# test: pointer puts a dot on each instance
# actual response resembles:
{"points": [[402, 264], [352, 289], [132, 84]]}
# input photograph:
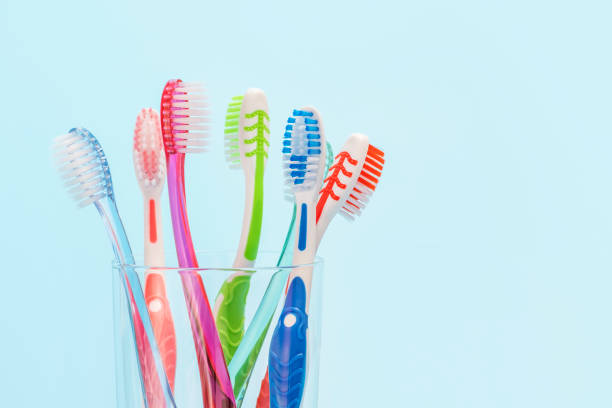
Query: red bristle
{"points": [[373, 163], [376, 153], [372, 170], [369, 177], [366, 183]]}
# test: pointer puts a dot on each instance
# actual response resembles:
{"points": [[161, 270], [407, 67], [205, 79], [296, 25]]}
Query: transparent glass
{"points": [[265, 301]]}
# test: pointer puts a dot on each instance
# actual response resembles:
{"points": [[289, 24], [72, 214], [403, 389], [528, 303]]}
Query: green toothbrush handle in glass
{"points": [[230, 317]]}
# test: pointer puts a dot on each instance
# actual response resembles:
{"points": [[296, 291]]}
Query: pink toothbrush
{"points": [[183, 122], [150, 169]]}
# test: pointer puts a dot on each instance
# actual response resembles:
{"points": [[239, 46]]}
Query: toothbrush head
{"points": [[246, 130], [351, 180], [148, 152], [366, 183], [82, 164], [184, 117], [304, 151]]}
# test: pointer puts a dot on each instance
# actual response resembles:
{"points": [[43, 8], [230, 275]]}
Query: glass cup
{"points": [[263, 289]]}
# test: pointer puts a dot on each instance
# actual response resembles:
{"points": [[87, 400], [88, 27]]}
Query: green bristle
{"points": [[232, 121]]}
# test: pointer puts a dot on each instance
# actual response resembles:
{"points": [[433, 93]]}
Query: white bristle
{"points": [[81, 164], [188, 118], [347, 214]]}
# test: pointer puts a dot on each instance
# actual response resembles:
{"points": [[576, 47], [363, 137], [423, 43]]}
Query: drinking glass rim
{"points": [[317, 261]]}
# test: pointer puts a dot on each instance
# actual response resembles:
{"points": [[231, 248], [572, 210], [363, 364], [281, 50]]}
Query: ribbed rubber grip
{"points": [[288, 358], [230, 317]]}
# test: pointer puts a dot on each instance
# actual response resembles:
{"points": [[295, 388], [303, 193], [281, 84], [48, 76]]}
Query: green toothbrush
{"points": [[246, 147]]}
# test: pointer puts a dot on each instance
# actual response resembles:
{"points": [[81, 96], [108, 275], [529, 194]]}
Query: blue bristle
{"points": [[302, 141], [298, 158]]}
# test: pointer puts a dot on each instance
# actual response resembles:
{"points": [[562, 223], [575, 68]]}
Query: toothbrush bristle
{"points": [[149, 161], [366, 183], [302, 151], [184, 117], [232, 125], [81, 162], [288, 193]]}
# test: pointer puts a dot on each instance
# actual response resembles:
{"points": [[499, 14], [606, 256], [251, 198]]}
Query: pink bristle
{"points": [[148, 145]]}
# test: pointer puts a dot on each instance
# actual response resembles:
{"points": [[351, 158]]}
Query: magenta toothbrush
{"points": [[183, 121]]}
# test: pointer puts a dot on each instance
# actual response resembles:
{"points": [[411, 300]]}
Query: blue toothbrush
{"points": [[304, 153], [82, 163]]}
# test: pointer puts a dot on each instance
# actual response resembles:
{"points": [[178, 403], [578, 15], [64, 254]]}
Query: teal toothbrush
{"points": [[241, 365]]}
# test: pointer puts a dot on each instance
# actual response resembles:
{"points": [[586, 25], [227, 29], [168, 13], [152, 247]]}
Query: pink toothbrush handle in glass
{"points": [[163, 325]]}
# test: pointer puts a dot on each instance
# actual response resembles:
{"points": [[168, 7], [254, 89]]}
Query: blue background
{"points": [[479, 276]]}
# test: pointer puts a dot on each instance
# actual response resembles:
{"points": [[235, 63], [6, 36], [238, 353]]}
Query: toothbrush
{"points": [[83, 165], [183, 123], [304, 157], [150, 169], [246, 143], [244, 359], [351, 180]]}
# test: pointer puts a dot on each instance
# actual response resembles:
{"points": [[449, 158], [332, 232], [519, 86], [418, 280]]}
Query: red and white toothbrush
{"points": [[150, 168]]}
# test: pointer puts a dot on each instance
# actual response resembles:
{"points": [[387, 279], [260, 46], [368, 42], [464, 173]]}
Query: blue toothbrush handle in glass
{"points": [[287, 360]]}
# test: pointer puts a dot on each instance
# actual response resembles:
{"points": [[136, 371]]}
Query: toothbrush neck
{"points": [[116, 232], [178, 211]]}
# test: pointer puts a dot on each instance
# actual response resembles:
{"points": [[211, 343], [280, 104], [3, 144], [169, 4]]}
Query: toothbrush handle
{"points": [[263, 400], [155, 287], [155, 385], [154, 397], [231, 300], [161, 319], [241, 365], [214, 378], [288, 358], [287, 362]]}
